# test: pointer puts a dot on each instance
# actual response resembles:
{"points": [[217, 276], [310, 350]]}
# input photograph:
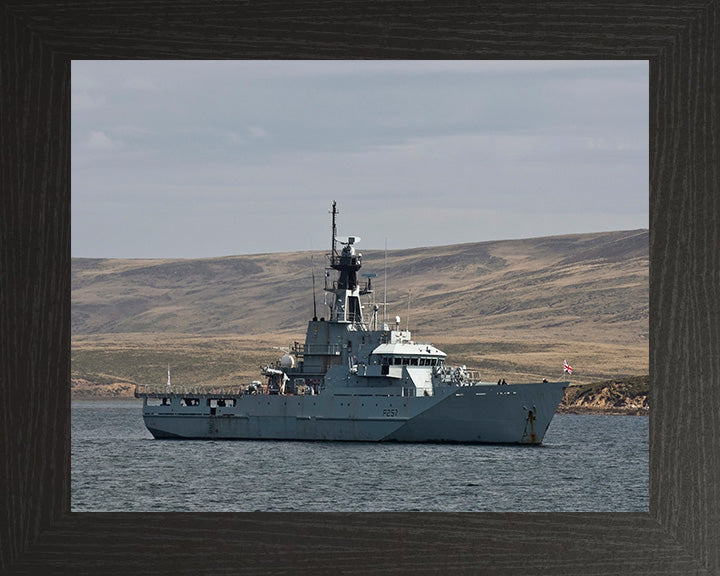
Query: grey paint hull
{"points": [[481, 413]]}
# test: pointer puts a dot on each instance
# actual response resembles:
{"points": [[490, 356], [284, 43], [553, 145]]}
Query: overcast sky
{"points": [[174, 159]]}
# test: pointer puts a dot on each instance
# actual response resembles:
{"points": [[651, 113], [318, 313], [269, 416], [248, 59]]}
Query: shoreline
{"points": [[584, 411]]}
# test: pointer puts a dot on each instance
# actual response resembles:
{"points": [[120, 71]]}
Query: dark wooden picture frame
{"points": [[38, 533]]}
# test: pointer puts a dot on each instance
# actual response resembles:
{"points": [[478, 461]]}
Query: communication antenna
{"points": [[385, 287], [407, 323], [334, 254], [312, 266]]}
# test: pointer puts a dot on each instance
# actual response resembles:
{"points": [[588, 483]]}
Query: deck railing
{"points": [[163, 390], [457, 375]]}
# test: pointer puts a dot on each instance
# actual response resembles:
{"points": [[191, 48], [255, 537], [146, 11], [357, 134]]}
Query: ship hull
{"points": [[482, 413]]}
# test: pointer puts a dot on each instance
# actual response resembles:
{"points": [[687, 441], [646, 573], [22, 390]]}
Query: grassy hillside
{"points": [[514, 309]]}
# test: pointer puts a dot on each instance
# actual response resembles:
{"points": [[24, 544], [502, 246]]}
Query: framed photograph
{"points": [[40, 533]]}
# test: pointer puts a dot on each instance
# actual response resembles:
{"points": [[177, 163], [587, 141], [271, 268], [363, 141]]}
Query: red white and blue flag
{"points": [[568, 369]]}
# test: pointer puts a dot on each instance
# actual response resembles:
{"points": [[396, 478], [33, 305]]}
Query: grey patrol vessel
{"points": [[358, 380]]}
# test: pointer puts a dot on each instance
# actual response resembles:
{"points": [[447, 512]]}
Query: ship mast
{"points": [[346, 307]]}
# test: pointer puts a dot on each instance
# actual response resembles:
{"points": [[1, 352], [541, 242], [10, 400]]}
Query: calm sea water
{"points": [[586, 464]]}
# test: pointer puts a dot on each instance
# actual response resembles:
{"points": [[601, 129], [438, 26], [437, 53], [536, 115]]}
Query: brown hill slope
{"points": [[511, 308], [588, 280]]}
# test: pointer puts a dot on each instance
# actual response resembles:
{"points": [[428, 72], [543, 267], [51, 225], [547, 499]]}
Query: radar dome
{"points": [[287, 361]]}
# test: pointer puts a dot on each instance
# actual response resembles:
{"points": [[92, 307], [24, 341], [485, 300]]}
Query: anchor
{"points": [[531, 421]]}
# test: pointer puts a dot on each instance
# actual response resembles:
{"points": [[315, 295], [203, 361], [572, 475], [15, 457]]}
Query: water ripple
{"points": [[587, 464]]}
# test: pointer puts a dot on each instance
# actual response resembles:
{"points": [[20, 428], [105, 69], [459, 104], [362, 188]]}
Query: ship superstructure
{"points": [[354, 380]]}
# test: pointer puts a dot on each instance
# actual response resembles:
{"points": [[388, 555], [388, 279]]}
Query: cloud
{"points": [[264, 69], [137, 83], [250, 133], [132, 130], [85, 100], [390, 140], [258, 132], [98, 141], [235, 138]]}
